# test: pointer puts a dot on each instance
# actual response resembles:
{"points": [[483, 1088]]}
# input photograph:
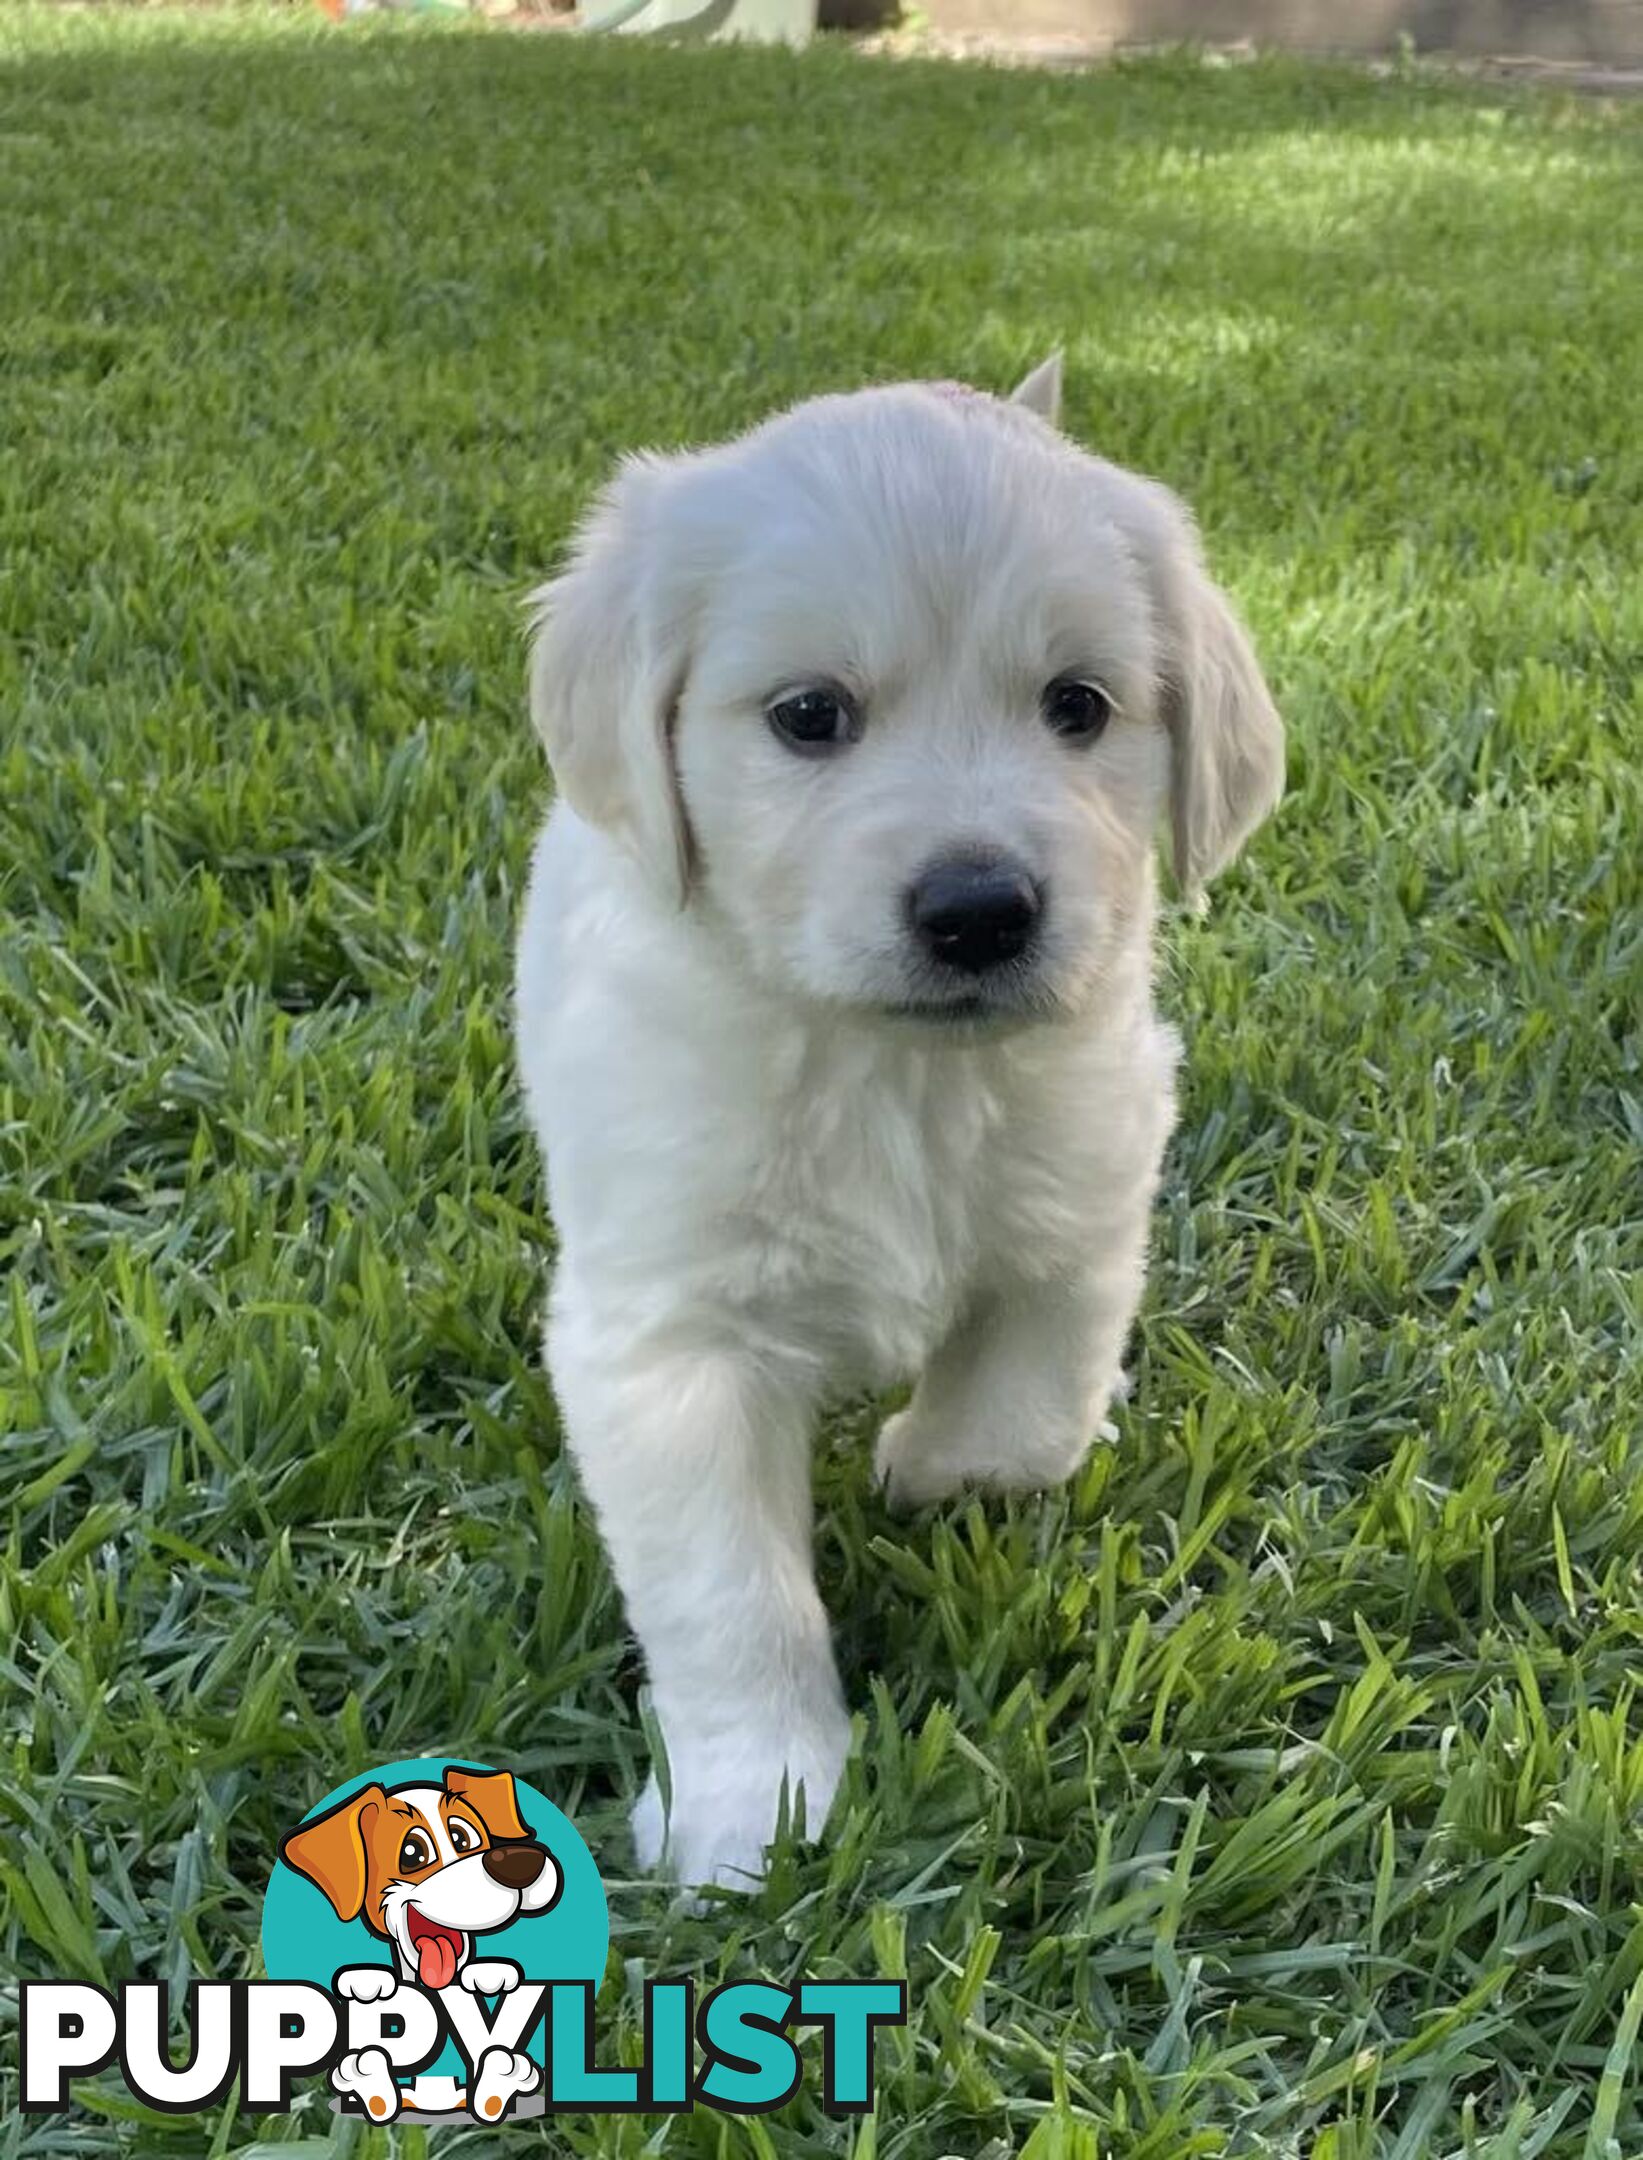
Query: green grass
{"points": [[1277, 1789]]}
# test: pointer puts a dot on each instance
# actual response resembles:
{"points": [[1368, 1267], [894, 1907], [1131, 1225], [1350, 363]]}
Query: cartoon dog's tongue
{"points": [[436, 1951]]}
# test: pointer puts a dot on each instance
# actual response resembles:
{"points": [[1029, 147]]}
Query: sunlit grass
{"points": [[1279, 1788]]}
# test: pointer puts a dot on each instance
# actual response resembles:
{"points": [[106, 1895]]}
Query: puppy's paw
{"points": [[369, 2077], [489, 1976], [726, 1803], [721, 1843], [910, 1465], [367, 1983], [503, 2075], [648, 1822], [919, 1461]]}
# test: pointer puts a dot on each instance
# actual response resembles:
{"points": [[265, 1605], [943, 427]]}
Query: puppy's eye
{"points": [[814, 722], [462, 1837], [416, 1852], [1077, 710]]}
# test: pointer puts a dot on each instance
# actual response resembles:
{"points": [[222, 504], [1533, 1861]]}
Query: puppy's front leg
{"points": [[698, 1464], [1011, 1400]]}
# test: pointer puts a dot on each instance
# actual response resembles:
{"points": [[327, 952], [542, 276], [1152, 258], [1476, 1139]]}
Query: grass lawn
{"points": [[1277, 1789]]}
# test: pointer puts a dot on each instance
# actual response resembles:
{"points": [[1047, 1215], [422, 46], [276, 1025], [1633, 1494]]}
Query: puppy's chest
{"points": [[878, 1192]]}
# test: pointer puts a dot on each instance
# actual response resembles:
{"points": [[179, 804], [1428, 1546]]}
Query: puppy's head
{"points": [[428, 1867], [895, 691]]}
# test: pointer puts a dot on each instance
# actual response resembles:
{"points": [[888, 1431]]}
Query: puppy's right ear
{"points": [[609, 650], [330, 1850]]}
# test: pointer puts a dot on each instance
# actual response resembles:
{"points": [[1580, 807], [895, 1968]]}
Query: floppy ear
{"points": [[491, 1793], [1226, 739], [1040, 391], [330, 1851], [608, 658]]}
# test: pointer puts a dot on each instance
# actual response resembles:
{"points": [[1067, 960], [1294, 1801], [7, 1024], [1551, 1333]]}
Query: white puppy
{"points": [[834, 1003]]}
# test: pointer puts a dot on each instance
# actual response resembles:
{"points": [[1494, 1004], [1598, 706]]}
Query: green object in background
{"points": [[789, 22]]}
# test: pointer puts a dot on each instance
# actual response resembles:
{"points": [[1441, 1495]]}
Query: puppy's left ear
{"points": [[1226, 739], [609, 650], [1040, 391], [492, 1795]]}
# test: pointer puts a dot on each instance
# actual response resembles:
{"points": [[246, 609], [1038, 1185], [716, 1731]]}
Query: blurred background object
{"points": [[789, 22]]}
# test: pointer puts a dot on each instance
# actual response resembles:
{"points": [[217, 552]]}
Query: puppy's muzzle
{"points": [[516, 1867], [974, 912]]}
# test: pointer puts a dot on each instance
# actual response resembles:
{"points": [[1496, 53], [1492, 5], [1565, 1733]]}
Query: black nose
{"points": [[974, 912], [515, 1866]]}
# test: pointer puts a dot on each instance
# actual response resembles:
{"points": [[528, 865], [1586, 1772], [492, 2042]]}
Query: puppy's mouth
{"points": [[946, 1012], [437, 1950], [1013, 1003]]}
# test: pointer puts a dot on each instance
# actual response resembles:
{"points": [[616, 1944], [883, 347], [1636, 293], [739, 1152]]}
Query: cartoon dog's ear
{"points": [[609, 651], [1226, 739], [330, 1851], [492, 1796], [1040, 391]]}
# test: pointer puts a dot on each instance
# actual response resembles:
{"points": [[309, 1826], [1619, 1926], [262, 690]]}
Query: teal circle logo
{"points": [[453, 1879]]}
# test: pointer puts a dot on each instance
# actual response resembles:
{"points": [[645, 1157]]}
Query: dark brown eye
{"points": [[415, 1852], [814, 722], [462, 1836], [1077, 710]]}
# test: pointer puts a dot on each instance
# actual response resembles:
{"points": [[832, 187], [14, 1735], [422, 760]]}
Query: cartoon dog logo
{"points": [[428, 1869]]}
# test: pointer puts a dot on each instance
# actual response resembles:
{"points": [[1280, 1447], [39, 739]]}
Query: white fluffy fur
{"points": [[770, 1185]]}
